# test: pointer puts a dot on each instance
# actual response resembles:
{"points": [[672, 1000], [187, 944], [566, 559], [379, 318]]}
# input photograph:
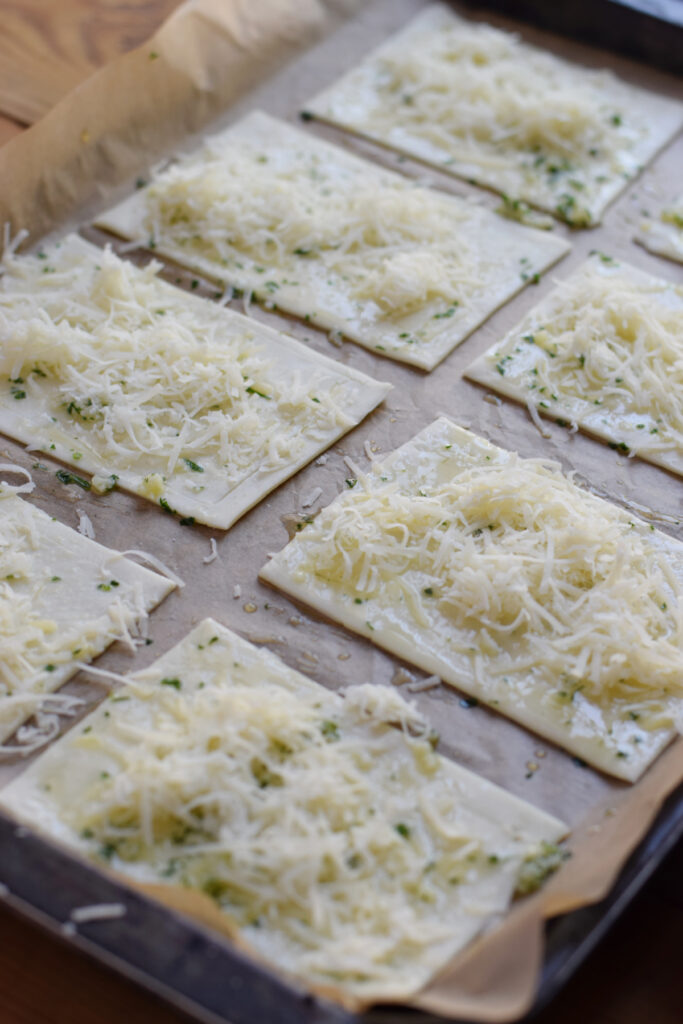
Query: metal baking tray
{"points": [[198, 972], [649, 30], [196, 969]]}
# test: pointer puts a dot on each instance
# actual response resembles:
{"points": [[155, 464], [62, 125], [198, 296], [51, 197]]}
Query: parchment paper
{"points": [[85, 155]]}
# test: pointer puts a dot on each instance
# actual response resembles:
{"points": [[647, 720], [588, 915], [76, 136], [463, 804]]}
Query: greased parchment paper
{"points": [[209, 63]]}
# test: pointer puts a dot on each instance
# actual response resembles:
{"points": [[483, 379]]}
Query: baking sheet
{"points": [[101, 140]]}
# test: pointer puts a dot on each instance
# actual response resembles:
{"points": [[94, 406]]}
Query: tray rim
{"points": [[178, 969]]}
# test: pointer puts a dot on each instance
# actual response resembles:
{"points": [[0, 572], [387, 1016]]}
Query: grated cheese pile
{"points": [[374, 235], [344, 849], [478, 101], [604, 350], [501, 575], [165, 392], [63, 600], [320, 233]]}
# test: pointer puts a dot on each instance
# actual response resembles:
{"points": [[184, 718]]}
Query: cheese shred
{"points": [[310, 229], [162, 392], [504, 577], [325, 828], [603, 352]]}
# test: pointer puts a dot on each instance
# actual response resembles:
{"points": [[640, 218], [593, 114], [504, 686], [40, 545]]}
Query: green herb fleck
{"points": [[538, 867], [446, 314], [330, 729], [65, 477]]}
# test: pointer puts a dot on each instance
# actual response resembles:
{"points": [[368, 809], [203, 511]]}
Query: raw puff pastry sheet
{"points": [[512, 584], [404, 270], [63, 600], [476, 102], [345, 850], [190, 405]]}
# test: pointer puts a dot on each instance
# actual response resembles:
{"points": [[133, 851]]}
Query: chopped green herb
{"points": [[537, 868], [65, 477], [446, 314], [108, 586], [330, 729]]}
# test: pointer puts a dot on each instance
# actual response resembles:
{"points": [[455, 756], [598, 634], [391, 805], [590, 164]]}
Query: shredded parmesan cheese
{"points": [[97, 912], [502, 576], [481, 104], [311, 498], [25, 488], [85, 526], [603, 351], [344, 849], [213, 554], [163, 392], [430, 683], [402, 269], [62, 598]]}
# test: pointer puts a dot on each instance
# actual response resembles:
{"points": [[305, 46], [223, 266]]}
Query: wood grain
{"points": [[48, 46]]}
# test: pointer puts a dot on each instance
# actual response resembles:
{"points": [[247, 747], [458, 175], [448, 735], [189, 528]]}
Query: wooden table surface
{"points": [[46, 48]]}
